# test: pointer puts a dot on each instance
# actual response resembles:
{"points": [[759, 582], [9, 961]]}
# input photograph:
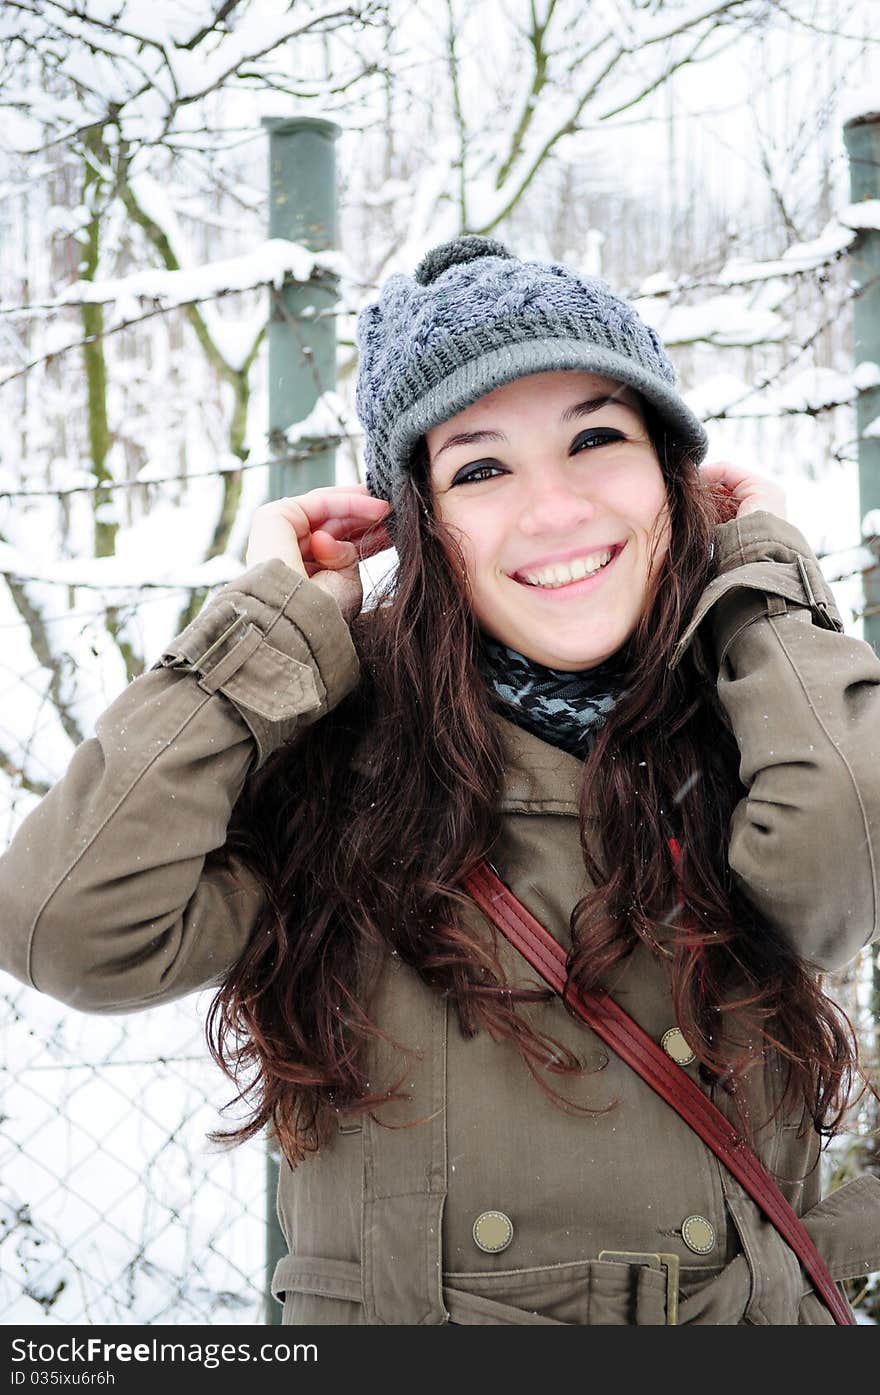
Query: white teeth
{"points": [[564, 573]]}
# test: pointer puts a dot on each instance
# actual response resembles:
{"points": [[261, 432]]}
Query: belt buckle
{"points": [[654, 1260]]}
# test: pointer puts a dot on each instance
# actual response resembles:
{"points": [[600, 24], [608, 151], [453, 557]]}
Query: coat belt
{"points": [[606, 1292]]}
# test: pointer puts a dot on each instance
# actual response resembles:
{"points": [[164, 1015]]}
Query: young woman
{"points": [[617, 675]]}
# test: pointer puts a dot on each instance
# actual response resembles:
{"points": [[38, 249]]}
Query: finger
{"points": [[345, 526], [322, 560], [348, 527], [331, 553], [320, 505], [274, 536], [369, 538], [749, 491], [325, 555], [716, 471], [736, 478]]}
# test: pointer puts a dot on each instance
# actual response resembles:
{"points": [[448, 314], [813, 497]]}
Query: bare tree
{"points": [[133, 155]]}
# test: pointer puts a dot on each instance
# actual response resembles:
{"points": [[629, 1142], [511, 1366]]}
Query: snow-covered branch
{"points": [[142, 68], [271, 263]]}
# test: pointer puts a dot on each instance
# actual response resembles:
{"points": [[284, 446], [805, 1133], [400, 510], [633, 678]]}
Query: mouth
{"points": [[574, 577]]}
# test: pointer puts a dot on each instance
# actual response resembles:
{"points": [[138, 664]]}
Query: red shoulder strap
{"points": [[619, 1031]]}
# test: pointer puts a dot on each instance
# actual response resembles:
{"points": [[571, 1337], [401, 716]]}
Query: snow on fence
{"points": [[114, 1208]]}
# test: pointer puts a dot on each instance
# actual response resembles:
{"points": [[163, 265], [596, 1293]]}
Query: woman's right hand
{"points": [[321, 535]]}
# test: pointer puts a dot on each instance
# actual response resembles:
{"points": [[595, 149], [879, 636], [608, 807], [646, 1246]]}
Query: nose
{"points": [[551, 506]]}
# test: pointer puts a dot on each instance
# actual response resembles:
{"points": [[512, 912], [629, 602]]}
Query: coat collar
{"points": [[538, 778]]}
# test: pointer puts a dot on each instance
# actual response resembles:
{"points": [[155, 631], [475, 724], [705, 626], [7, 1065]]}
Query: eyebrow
{"points": [[580, 409]]}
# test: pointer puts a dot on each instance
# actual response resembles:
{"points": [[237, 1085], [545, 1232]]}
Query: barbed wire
{"points": [[45, 308], [105, 1063], [141, 585], [292, 457], [129, 323]]}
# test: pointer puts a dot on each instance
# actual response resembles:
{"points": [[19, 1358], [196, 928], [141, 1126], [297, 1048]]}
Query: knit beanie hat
{"points": [[474, 317]]}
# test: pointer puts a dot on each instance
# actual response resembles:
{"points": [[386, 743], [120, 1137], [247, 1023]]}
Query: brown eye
{"points": [[599, 436], [474, 472]]}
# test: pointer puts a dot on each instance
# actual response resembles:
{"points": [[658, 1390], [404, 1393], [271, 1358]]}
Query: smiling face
{"points": [[556, 497]]}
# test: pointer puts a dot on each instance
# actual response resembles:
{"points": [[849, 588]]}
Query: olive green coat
{"points": [[111, 902]]}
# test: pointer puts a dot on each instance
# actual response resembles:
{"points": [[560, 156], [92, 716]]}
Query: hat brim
{"points": [[493, 369]]}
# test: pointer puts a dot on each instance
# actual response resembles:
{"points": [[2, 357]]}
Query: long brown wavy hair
{"points": [[361, 829]]}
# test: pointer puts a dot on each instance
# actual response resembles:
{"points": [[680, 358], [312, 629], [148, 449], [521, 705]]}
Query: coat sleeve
{"points": [[803, 701], [109, 898]]}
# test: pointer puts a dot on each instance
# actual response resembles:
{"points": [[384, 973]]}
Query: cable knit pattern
{"points": [[475, 317]]}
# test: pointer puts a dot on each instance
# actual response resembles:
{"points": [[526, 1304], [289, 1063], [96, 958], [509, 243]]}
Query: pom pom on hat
{"points": [[454, 253]]}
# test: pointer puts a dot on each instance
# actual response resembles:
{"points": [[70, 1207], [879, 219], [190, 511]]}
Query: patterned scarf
{"points": [[563, 708]]}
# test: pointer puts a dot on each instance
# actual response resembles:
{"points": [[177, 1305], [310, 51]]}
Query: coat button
{"points": [[493, 1232], [674, 1044], [698, 1234]]}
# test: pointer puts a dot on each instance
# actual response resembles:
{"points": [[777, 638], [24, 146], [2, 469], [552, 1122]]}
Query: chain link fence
{"points": [[114, 1207]]}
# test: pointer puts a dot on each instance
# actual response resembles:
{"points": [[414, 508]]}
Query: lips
{"points": [[563, 572]]}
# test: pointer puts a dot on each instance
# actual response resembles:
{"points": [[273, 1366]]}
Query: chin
{"points": [[567, 665], [573, 658]]}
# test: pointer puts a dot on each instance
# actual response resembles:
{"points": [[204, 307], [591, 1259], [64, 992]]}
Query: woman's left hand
{"points": [[749, 491]]}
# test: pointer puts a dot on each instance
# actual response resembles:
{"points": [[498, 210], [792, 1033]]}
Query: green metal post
{"points": [[302, 326], [862, 137], [302, 366]]}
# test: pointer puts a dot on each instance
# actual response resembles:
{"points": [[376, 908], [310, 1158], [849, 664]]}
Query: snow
{"points": [[138, 58], [658, 283], [864, 216], [726, 321], [330, 417], [389, 192], [811, 390], [110, 1189], [799, 257], [857, 99], [122, 572], [77, 1210], [718, 393], [839, 563], [268, 264], [837, 236], [867, 375]]}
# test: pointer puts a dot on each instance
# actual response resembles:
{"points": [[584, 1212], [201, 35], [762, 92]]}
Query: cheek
{"points": [[654, 509], [478, 538], [659, 534], [472, 545]]}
